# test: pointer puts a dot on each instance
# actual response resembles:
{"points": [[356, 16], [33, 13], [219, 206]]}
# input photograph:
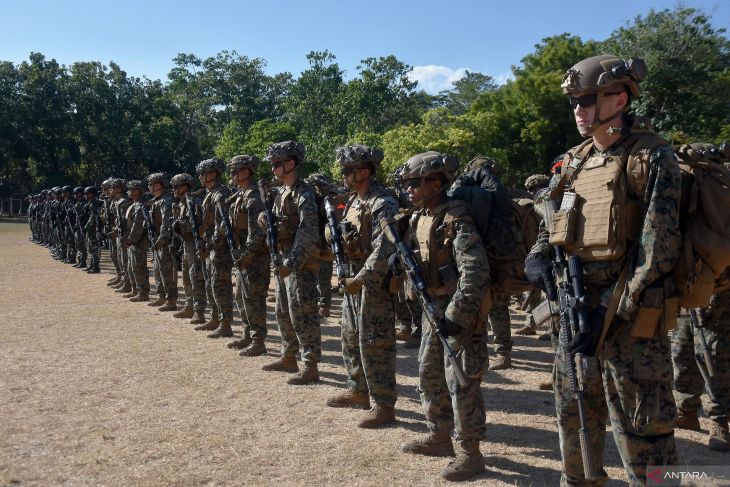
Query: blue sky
{"points": [[440, 39]]}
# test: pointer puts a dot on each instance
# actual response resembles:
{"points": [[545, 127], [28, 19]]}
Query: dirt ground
{"points": [[95, 390]]}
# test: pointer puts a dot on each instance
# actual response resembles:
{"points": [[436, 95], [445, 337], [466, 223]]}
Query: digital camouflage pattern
{"points": [[137, 245], [193, 278], [219, 262], [164, 266]]}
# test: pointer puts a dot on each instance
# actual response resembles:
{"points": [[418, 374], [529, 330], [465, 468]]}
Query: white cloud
{"points": [[434, 78]]}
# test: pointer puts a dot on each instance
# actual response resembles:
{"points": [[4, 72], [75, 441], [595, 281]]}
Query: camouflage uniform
{"points": [[92, 230], [164, 264], [108, 218], [192, 266], [137, 246], [219, 262], [80, 219], [691, 376], [499, 320], [636, 371], [119, 207], [368, 346]]}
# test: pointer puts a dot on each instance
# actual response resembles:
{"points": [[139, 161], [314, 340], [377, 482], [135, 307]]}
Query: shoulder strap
{"points": [[575, 158]]}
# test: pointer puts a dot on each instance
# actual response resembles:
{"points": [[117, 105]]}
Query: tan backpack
{"points": [[704, 220]]}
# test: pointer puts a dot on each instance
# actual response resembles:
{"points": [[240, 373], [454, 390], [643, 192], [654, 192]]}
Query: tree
{"points": [[466, 91]]}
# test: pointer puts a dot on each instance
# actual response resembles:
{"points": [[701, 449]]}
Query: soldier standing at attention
{"points": [[216, 252], [137, 243], [368, 345], [456, 270], [164, 264], [297, 221], [627, 235], [254, 274]]}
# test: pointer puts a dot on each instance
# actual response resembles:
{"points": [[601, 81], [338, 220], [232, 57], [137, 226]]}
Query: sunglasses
{"points": [[587, 101], [416, 183], [278, 164]]}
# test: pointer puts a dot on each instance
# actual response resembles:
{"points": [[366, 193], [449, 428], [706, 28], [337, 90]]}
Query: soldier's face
{"points": [[422, 189], [180, 190], [135, 194]]}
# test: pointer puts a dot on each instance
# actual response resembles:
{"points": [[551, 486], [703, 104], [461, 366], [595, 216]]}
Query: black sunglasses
{"points": [[587, 101], [416, 183]]}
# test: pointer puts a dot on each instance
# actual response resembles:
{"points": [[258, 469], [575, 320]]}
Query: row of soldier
{"points": [[433, 254]]}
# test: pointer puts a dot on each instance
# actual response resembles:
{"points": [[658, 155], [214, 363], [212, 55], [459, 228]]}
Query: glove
{"points": [[395, 265], [448, 328], [351, 285], [584, 342], [539, 272]]}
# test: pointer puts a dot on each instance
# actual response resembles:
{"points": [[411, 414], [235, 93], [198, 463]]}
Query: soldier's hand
{"points": [[262, 220], [351, 285], [395, 265], [584, 342], [539, 273], [448, 328]]}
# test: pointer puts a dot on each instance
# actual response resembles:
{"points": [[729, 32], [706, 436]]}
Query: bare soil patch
{"points": [[95, 390]]}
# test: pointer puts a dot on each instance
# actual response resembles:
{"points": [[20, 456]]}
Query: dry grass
{"points": [[95, 390]]}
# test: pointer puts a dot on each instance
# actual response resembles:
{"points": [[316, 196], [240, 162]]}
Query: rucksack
{"points": [[507, 226], [704, 222]]}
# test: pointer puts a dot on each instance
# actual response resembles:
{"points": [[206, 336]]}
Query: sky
{"points": [[441, 40]]}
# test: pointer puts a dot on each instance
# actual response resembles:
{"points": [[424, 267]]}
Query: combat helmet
{"points": [[92, 189], [210, 165], [107, 183], [536, 181], [79, 190], [359, 156], [67, 189], [283, 151], [244, 161], [159, 177], [135, 184], [182, 178], [430, 164]]}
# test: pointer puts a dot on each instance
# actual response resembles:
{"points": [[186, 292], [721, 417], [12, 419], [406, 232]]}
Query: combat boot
{"points": [[170, 305], [284, 364], [468, 462], [223, 331], [124, 289], [79, 264], [114, 281], [501, 362], [118, 285], [95, 269], [186, 312], [377, 416], [241, 343], [308, 375], [349, 398], [158, 302], [140, 297], [433, 445], [131, 293], [198, 318], [687, 420], [257, 347], [526, 330], [209, 325], [719, 436]]}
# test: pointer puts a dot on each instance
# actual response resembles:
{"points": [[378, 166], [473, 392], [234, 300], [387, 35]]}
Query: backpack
{"points": [[704, 222], [507, 226]]}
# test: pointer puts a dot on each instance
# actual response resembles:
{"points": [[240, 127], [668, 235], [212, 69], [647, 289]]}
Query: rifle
{"points": [[121, 222], [271, 233], [196, 231], [434, 314], [698, 329], [150, 230], [338, 251], [235, 253], [573, 318]]}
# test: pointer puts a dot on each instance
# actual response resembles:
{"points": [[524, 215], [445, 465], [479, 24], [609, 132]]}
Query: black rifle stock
{"points": [[150, 231], [573, 318], [698, 328], [271, 232], [434, 315], [234, 251], [338, 251]]}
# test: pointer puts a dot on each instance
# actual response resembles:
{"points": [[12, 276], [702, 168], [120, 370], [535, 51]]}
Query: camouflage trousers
{"points": [[165, 273], [70, 243], [252, 285], [123, 256], [499, 320], [446, 404], [296, 315], [691, 375], [220, 284], [324, 283], [114, 255], [635, 391], [80, 246], [139, 272], [368, 346], [93, 250], [193, 278]]}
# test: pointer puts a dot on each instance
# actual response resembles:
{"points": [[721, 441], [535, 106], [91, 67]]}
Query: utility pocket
{"points": [[562, 227]]}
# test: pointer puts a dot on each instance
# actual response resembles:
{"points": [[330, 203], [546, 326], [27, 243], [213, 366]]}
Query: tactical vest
{"points": [[357, 223], [286, 212], [603, 215], [239, 213]]}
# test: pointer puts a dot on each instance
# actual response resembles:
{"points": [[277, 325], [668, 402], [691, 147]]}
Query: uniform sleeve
{"points": [[256, 238], [307, 235], [660, 238], [375, 267], [473, 268], [137, 231], [166, 214]]}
